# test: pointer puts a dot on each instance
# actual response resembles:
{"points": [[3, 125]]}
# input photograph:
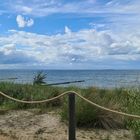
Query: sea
{"points": [[92, 78]]}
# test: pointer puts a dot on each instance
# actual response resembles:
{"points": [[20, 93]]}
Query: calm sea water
{"points": [[99, 78]]}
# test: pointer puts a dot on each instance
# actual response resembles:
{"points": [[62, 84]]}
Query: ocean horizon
{"points": [[104, 78]]}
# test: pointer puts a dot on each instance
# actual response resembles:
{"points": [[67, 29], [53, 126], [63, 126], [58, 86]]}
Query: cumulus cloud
{"points": [[67, 30], [10, 55], [29, 22], [8, 49], [82, 48], [22, 22]]}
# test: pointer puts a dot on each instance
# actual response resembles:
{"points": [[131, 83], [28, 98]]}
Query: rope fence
{"points": [[72, 114], [82, 97]]}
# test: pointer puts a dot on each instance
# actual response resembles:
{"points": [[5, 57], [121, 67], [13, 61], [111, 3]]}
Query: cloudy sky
{"points": [[70, 34]]}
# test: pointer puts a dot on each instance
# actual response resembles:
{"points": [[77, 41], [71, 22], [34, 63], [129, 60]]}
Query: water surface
{"points": [[99, 78]]}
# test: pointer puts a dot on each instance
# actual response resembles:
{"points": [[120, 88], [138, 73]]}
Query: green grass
{"points": [[28, 92], [89, 116], [121, 99]]}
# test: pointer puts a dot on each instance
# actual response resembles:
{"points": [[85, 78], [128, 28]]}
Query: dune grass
{"points": [[121, 99]]}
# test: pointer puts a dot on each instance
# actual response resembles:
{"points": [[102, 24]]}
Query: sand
{"points": [[31, 125]]}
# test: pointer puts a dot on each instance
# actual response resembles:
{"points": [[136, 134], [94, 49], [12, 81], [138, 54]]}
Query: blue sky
{"points": [[70, 34]]}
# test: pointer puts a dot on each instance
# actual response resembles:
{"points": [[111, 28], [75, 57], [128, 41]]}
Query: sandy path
{"points": [[27, 125], [5, 138]]}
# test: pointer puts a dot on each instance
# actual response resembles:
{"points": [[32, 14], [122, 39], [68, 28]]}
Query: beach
{"points": [[49, 120], [30, 125]]}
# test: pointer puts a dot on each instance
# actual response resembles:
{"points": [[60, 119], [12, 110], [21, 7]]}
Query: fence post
{"points": [[72, 117]]}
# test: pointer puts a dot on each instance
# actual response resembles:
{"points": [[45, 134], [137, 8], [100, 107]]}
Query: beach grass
{"points": [[121, 99]]}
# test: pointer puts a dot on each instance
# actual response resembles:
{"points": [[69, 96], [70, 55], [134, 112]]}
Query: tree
{"points": [[39, 78]]}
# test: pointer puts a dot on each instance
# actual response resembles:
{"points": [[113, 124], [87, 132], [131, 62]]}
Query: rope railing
{"points": [[69, 92]]}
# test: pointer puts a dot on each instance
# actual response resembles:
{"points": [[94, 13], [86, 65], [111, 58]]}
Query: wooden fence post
{"points": [[72, 117]]}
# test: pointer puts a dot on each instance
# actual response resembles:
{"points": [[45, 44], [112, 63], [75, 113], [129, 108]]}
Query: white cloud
{"points": [[26, 9], [22, 22], [8, 49], [67, 30], [84, 47], [30, 22], [91, 7], [97, 26], [9, 55], [114, 14]]}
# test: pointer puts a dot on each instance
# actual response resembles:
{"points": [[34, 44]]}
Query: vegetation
{"points": [[39, 78], [127, 100], [28, 92], [89, 116]]}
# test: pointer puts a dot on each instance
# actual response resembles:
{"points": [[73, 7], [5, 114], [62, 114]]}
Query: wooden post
{"points": [[72, 118]]}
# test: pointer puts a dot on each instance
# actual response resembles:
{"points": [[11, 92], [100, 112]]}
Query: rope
{"points": [[33, 102], [69, 92]]}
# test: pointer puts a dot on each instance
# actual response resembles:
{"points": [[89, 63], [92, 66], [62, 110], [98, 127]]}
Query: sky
{"points": [[69, 34]]}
